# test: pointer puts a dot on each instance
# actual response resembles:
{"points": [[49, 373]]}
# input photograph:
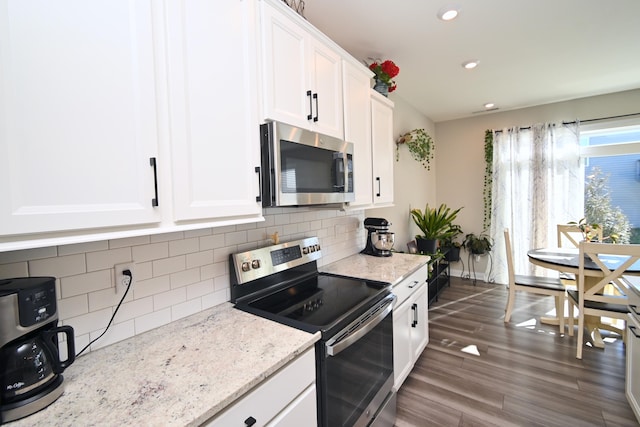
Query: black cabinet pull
{"points": [[378, 193], [250, 421], [152, 162], [634, 308], [259, 196], [315, 96], [414, 307], [633, 331], [310, 116]]}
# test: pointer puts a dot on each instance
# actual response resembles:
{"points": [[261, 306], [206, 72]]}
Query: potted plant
{"points": [[385, 71], [589, 233], [420, 145], [435, 224], [451, 245], [478, 244]]}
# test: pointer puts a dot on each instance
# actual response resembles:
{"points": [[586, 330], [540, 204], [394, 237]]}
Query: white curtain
{"points": [[538, 182]]}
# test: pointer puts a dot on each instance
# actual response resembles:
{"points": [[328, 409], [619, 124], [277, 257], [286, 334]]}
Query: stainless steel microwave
{"points": [[301, 168]]}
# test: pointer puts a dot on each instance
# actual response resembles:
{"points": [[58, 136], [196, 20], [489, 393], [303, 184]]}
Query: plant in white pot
{"points": [[435, 224]]}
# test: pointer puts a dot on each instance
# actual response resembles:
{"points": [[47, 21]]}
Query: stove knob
{"points": [[255, 263], [305, 250], [317, 247], [246, 266]]}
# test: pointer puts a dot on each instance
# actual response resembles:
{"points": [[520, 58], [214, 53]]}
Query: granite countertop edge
{"points": [[393, 269], [180, 374]]}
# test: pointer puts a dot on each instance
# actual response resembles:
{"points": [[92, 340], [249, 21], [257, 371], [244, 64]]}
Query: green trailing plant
{"points": [[478, 244], [435, 224], [420, 145], [488, 178]]}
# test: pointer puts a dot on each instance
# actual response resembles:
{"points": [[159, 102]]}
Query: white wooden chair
{"points": [[590, 297], [570, 236], [533, 284]]}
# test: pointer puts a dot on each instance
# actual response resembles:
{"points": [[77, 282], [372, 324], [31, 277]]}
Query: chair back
{"points": [[510, 265], [612, 261], [570, 235]]}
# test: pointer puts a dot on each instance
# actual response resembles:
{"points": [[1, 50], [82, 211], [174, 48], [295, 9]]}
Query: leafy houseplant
{"points": [[589, 233], [420, 145], [478, 244], [435, 224], [453, 247]]}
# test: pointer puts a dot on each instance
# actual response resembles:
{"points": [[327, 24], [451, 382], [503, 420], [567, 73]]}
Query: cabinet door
{"points": [[382, 144], [357, 128], [325, 75], [284, 70], [402, 354], [78, 119], [420, 329], [214, 121]]}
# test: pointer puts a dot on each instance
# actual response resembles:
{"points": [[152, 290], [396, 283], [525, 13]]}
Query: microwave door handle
{"points": [[338, 159]]}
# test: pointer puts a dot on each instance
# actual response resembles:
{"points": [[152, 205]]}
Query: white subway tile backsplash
{"points": [[185, 277], [176, 274], [153, 320], [107, 259], [14, 269], [150, 252], [169, 265], [169, 298], [58, 267], [85, 283], [184, 246]]}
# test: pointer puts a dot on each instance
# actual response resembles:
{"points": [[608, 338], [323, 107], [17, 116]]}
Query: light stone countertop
{"points": [[179, 374], [391, 269]]}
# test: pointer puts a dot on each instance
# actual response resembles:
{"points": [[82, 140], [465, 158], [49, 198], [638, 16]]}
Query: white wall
{"points": [[414, 186], [460, 154], [176, 274]]}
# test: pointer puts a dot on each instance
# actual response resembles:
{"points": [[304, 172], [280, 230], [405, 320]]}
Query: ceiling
{"points": [[531, 52]]}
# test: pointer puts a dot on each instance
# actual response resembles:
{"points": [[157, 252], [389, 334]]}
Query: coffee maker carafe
{"points": [[379, 238], [30, 365]]}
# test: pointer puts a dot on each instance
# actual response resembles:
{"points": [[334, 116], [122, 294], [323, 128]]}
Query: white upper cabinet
{"points": [[302, 80], [382, 144], [78, 118], [214, 136], [357, 128]]}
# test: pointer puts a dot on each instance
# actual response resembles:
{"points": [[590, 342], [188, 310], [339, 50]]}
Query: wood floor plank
{"points": [[523, 373]]}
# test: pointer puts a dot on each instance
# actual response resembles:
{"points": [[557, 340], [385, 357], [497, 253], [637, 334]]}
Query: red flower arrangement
{"points": [[385, 72]]}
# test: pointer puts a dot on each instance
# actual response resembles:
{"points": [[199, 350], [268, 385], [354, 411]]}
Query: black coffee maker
{"points": [[30, 365]]}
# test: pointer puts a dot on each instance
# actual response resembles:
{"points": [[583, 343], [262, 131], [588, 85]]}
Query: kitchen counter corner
{"points": [[183, 373], [391, 269]]}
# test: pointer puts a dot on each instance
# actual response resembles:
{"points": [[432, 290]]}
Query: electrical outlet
{"points": [[120, 279]]}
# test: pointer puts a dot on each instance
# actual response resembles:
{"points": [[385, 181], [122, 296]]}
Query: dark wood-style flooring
{"points": [[522, 373]]}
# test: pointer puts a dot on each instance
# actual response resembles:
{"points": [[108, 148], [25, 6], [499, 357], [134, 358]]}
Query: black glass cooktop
{"points": [[318, 303]]}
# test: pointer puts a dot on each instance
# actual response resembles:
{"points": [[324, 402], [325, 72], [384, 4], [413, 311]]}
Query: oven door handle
{"points": [[360, 327]]}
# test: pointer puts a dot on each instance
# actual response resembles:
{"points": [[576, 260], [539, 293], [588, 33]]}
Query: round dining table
{"points": [[567, 260]]}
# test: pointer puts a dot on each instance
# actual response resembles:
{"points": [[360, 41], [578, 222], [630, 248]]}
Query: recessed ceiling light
{"points": [[470, 64], [489, 105], [449, 13]]}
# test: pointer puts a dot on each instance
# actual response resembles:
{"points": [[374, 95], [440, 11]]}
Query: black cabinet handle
{"points": [[310, 116], [259, 196], [152, 162], [414, 307], [634, 308], [633, 331], [378, 193], [315, 96], [250, 421]]}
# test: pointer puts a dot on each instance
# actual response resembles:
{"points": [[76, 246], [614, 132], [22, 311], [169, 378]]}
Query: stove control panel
{"points": [[262, 262]]}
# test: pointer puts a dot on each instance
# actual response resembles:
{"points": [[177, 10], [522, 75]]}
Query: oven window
{"points": [[306, 169], [356, 374]]}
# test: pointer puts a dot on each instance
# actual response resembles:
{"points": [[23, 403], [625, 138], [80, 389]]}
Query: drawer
{"points": [[408, 286], [273, 395]]}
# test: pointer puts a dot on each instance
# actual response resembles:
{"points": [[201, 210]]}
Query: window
{"points": [[611, 155]]}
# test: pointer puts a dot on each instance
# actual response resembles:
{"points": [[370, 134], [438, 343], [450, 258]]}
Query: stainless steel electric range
{"points": [[354, 358]]}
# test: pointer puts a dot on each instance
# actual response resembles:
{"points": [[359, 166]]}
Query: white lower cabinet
{"points": [[632, 386], [287, 399], [410, 324]]}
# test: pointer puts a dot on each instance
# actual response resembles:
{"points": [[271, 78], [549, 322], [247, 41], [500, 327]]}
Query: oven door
{"points": [[357, 369]]}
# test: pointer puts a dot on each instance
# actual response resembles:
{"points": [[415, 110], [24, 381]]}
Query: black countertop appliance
{"points": [[30, 365]]}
